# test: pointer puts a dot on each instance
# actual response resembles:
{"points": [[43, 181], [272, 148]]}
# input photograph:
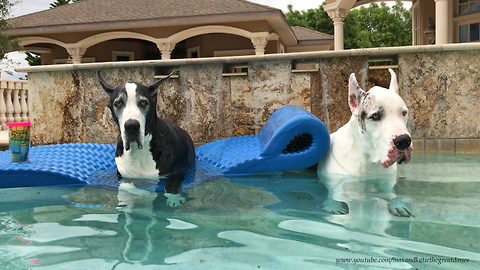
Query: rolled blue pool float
{"points": [[291, 139]]}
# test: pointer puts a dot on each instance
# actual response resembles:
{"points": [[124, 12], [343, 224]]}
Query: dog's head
{"points": [[382, 122], [132, 105]]}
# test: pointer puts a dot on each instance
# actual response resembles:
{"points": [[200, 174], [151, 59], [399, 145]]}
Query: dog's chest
{"points": [[137, 163]]}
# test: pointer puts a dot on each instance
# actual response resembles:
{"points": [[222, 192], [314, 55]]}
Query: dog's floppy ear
{"points": [[355, 93], [152, 89], [393, 81], [108, 88]]}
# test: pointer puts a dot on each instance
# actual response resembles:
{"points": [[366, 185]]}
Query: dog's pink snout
{"points": [[402, 142], [132, 126]]}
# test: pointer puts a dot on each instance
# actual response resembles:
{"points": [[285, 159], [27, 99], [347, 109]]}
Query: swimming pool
{"points": [[268, 221]]}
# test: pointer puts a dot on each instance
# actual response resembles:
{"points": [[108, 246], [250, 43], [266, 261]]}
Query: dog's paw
{"points": [[401, 208], [335, 207], [132, 189], [174, 200]]}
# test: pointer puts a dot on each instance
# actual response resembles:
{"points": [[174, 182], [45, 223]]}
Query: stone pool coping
{"points": [[373, 52]]}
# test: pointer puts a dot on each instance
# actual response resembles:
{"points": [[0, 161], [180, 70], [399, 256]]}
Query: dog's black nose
{"points": [[132, 126], [402, 142]]}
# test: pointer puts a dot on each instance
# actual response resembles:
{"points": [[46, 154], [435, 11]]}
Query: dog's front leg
{"points": [[333, 203], [173, 188], [397, 206], [119, 151]]}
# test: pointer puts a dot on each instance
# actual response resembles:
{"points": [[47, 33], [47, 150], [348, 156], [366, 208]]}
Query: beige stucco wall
{"points": [[157, 32], [427, 10], [208, 44], [220, 42]]}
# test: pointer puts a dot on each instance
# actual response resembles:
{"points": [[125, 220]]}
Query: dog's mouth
{"points": [[132, 134], [397, 155], [131, 140]]}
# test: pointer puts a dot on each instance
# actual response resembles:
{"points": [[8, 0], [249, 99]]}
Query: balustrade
{"points": [[13, 101]]}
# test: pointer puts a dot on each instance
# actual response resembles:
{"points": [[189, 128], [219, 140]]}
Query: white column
{"points": [[259, 43], [166, 49], [338, 38], [338, 16], [76, 54], [17, 109], [23, 102], [441, 21], [8, 102]]}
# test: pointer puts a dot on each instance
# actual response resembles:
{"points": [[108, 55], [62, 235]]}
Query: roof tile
{"points": [[303, 34], [99, 11]]}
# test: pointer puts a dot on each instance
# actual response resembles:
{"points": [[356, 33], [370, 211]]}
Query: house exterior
{"points": [[123, 30], [454, 21]]}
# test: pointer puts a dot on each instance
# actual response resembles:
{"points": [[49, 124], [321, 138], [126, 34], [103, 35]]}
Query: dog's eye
{"points": [[404, 113], [118, 103], [143, 103], [375, 117]]}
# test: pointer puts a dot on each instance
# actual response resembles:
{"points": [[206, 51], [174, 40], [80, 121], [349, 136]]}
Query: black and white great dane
{"points": [[373, 141], [148, 146]]}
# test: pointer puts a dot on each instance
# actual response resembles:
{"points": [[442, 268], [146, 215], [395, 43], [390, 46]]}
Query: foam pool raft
{"points": [[291, 139]]}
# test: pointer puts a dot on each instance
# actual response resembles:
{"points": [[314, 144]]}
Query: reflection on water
{"points": [[259, 222]]}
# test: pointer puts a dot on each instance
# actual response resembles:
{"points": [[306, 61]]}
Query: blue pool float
{"points": [[58, 164], [292, 139]]}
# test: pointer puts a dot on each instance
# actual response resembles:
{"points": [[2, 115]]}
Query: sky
{"points": [[30, 6]]}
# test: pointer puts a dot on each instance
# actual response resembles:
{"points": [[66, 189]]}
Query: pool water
{"points": [[271, 221]]}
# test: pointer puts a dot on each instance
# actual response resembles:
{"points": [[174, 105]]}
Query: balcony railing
{"points": [[13, 103]]}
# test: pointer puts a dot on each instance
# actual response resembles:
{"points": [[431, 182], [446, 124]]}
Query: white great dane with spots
{"points": [[372, 142]]}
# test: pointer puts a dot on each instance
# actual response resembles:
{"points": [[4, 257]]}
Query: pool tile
{"points": [[440, 145], [419, 145], [468, 146]]}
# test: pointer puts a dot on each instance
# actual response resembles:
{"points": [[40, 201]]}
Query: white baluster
{"points": [[17, 109], [8, 102], [3, 106], [23, 102]]}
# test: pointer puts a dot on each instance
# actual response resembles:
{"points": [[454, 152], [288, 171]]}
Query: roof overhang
{"points": [[315, 42], [363, 2], [342, 4], [282, 28], [349, 4], [275, 18]]}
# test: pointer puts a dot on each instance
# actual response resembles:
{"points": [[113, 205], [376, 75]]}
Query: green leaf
{"points": [[375, 25]]}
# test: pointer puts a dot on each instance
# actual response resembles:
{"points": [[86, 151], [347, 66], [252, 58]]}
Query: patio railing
{"points": [[13, 101]]}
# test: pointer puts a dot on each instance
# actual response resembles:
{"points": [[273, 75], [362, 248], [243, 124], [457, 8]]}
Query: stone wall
{"points": [[70, 106], [440, 89], [330, 89], [442, 93]]}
